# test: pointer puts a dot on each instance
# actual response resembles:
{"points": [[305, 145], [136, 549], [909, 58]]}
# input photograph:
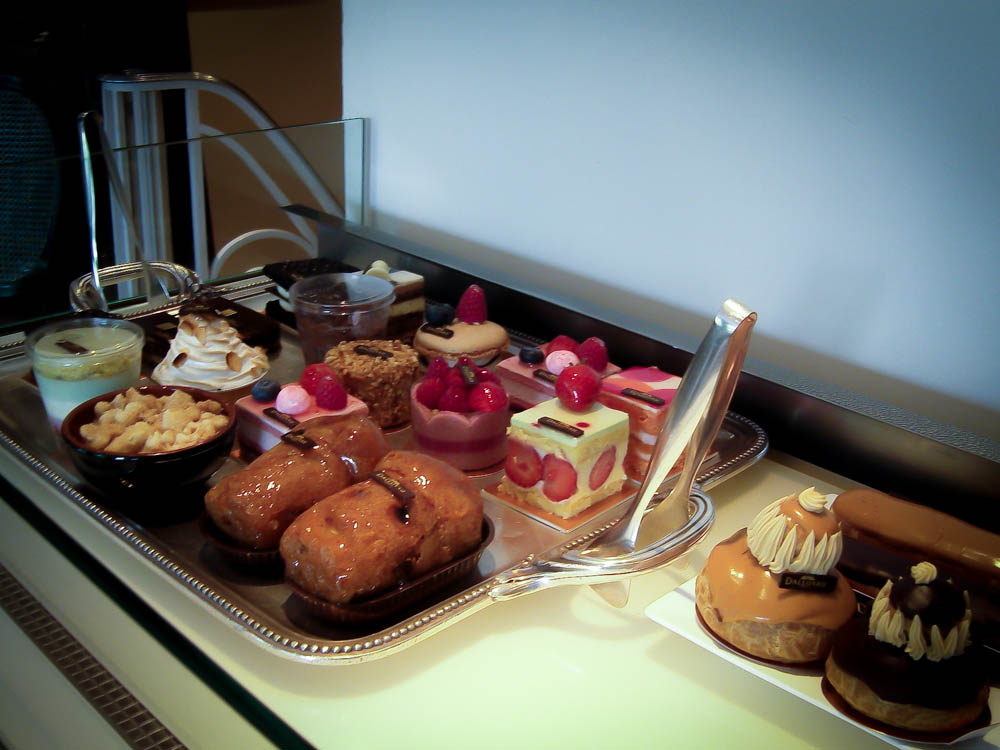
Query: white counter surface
{"points": [[557, 668]]}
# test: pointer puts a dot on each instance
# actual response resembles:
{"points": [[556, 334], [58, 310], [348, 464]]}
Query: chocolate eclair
{"points": [[912, 665]]}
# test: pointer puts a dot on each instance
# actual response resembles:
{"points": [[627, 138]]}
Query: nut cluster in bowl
{"points": [[137, 423], [151, 436]]}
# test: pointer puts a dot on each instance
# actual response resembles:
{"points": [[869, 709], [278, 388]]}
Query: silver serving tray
{"points": [[524, 556]]}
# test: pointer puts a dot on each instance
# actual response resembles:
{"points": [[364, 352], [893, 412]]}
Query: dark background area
{"points": [[50, 60]]}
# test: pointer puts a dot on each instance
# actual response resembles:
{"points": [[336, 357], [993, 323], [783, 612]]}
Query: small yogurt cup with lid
{"points": [[77, 359]]}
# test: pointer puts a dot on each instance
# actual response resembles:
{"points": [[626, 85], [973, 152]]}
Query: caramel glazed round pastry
{"points": [[739, 596], [912, 666]]}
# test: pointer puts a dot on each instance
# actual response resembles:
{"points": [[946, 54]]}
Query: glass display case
{"points": [[247, 651]]}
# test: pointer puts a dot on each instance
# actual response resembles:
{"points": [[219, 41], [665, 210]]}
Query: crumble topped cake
{"points": [[380, 373]]}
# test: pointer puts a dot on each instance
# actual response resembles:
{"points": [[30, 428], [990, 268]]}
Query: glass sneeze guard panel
{"points": [[211, 204]]}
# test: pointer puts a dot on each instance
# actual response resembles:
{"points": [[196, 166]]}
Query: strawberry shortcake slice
{"points": [[564, 461]]}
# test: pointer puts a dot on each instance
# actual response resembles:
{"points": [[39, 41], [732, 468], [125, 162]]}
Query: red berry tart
{"points": [[460, 416]]}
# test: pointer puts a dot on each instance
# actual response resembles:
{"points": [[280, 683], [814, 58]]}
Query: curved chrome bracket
{"points": [[567, 566], [82, 291]]}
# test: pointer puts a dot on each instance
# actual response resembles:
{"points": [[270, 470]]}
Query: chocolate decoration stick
{"points": [[72, 347], [444, 333], [808, 582], [196, 307], [372, 351], [649, 398], [403, 493], [299, 440], [468, 375], [555, 424], [279, 416], [550, 377]]}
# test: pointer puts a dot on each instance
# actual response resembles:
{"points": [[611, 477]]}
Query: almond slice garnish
{"points": [[180, 359], [234, 362], [187, 327]]}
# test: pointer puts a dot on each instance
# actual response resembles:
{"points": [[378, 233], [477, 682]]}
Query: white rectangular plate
{"points": [[676, 612]]}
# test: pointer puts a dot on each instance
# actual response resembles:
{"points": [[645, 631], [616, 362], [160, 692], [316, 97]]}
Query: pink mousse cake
{"points": [[466, 440], [645, 394], [259, 425], [528, 385]]}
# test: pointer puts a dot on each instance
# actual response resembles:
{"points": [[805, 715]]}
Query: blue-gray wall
{"points": [[835, 165]]}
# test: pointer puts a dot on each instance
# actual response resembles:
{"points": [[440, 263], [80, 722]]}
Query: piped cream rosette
{"points": [[208, 353], [784, 539], [889, 625]]}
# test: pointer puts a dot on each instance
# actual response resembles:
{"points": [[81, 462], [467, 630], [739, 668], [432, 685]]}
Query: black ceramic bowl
{"points": [[176, 473]]}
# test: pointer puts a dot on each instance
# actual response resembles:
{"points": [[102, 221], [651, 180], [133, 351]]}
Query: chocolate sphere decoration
{"points": [[937, 602]]}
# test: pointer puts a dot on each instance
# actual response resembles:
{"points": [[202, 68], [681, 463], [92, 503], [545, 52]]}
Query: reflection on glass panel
{"points": [[212, 204]]}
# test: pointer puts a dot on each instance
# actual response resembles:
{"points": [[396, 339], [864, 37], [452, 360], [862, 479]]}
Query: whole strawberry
{"points": [[487, 397], [330, 394], [472, 306], [593, 352], [312, 374], [577, 387]]}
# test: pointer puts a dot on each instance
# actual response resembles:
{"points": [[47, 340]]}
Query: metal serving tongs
{"points": [[697, 411], [88, 291]]}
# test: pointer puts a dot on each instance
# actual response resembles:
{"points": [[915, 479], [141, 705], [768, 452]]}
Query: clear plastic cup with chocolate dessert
{"points": [[77, 359], [337, 307]]}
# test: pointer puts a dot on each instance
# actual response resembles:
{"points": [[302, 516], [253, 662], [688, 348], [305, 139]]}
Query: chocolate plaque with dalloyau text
{"points": [[808, 582]]}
